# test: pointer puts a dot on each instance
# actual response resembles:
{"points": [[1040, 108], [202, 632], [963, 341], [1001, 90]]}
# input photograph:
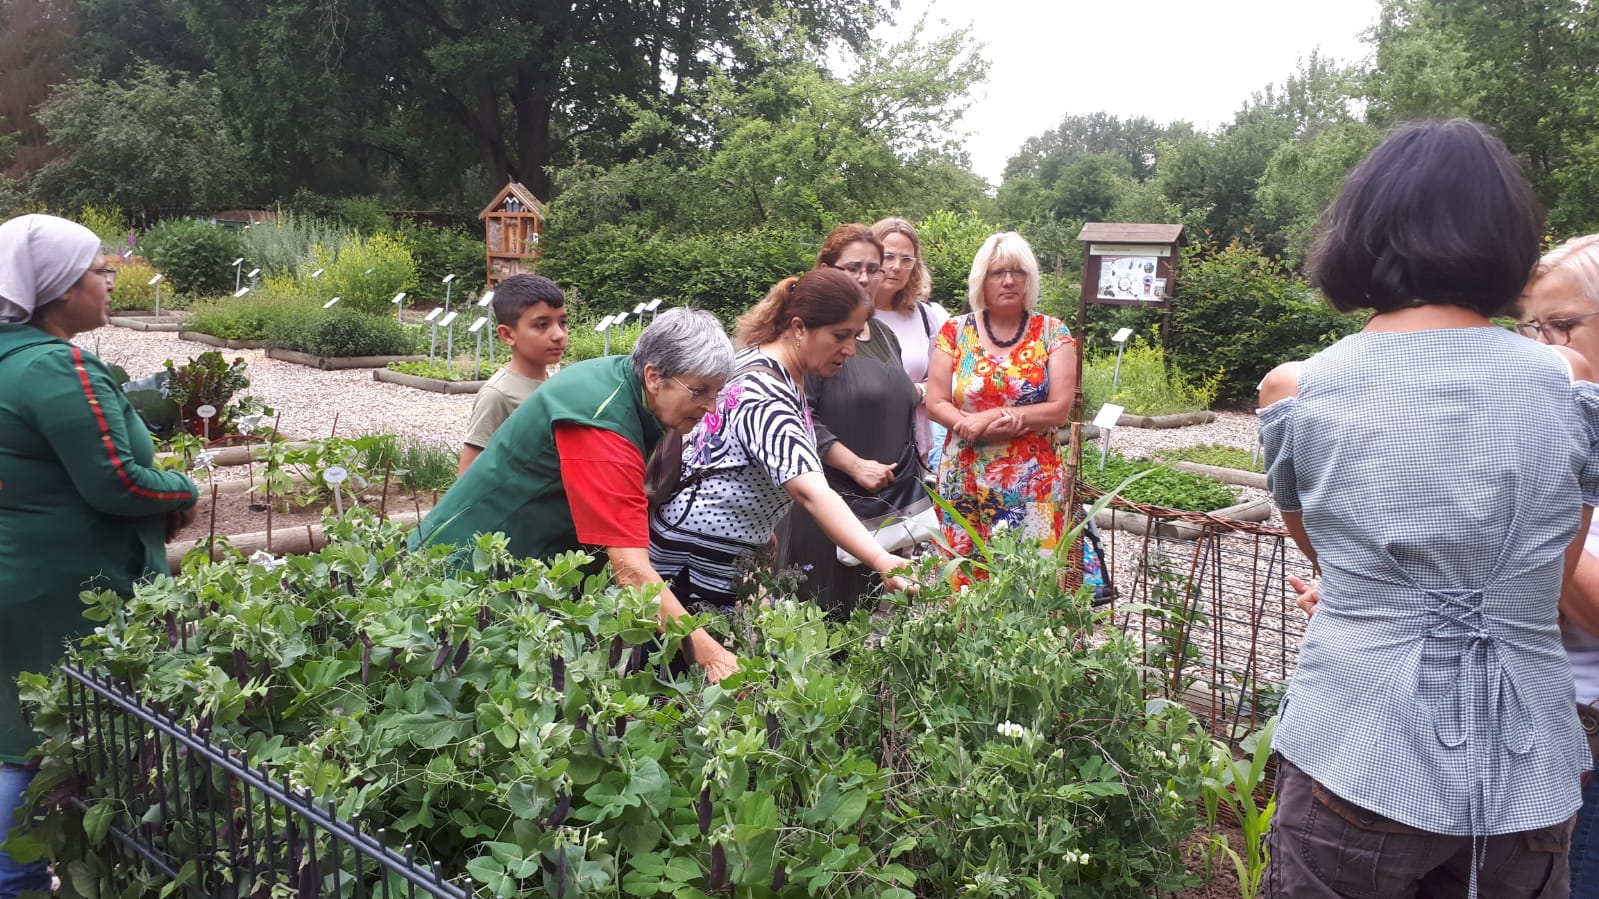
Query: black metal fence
{"points": [[184, 810]]}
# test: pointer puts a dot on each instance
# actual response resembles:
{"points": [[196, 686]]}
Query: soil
{"points": [[1220, 880], [245, 513]]}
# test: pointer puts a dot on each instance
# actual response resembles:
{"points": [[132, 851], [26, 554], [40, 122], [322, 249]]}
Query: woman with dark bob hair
{"points": [[1438, 471], [755, 455]]}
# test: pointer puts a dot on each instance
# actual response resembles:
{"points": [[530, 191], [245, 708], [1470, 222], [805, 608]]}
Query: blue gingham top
{"points": [[1441, 475]]}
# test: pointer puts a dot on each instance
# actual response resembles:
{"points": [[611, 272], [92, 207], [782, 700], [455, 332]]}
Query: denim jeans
{"points": [[16, 879], [1585, 843]]}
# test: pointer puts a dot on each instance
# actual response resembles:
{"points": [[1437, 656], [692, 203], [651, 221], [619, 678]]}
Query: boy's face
{"points": [[539, 336]]}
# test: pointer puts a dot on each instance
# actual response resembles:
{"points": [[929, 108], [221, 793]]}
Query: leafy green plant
{"points": [[949, 242], [207, 380], [1237, 784], [340, 332], [1147, 385], [583, 342], [418, 464], [134, 290], [443, 251], [250, 317], [367, 272], [1163, 486], [108, 223], [197, 257], [1215, 454], [461, 370], [289, 244], [520, 722]]}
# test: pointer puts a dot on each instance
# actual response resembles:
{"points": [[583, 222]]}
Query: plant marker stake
{"points": [[447, 323], [238, 266], [335, 476], [1106, 420], [604, 327], [156, 283], [206, 413], [399, 303], [271, 439], [241, 292], [483, 302], [653, 305], [638, 312], [1121, 344], [447, 285], [477, 328], [433, 340], [252, 274], [314, 276], [331, 303]]}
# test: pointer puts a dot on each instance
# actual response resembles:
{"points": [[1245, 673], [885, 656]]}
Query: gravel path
{"points": [[306, 398]]}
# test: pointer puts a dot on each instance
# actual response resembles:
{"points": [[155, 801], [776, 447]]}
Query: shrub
{"points": [[289, 245], [509, 719], [1239, 314], [1148, 386], [340, 332], [245, 318], [949, 243], [108, 223], [439, 252], [367, 272], [613, 267], [583, 342], [197, 257], [1165, 487], [134, 290]]}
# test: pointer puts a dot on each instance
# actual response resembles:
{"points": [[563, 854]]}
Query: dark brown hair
{"points": [[818, 298], [1439, 214]]}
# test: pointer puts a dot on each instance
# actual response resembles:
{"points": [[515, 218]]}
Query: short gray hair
{"points": [[687, 342]]}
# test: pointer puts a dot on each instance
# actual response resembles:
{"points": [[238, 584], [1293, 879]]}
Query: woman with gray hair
{"points": [[566, 470], [82, 506]]}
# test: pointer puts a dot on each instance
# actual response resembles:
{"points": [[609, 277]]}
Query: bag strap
{"points": [[927, 321]]}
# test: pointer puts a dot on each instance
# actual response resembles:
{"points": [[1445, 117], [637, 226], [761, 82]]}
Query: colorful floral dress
{"points": [[1020, 483]]}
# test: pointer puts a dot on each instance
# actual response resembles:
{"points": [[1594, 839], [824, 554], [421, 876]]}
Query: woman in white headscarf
{"points": [[82, 506]]}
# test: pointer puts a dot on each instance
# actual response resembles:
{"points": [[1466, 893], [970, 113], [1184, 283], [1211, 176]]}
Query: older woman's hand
{"points": [[1004, 428], [971, 427]]}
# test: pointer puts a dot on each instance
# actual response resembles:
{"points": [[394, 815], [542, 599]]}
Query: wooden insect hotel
{"points": [[513, 225]]}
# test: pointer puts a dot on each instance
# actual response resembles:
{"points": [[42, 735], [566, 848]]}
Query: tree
{"points": [[34, 37], [1303, 178], [155, 143]]}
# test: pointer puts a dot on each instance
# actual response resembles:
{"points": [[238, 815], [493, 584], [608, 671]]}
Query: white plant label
{"points": [[1108, 415], [335, 474], [447, 279], [432, 315], [1122, 335], [478, 325], [653, 305], [398, 298], [253, 272], [206, 411], [331, 303], [639, 309], [156, 280], [488, 297], [241, 292], [604, 323], [446, 321], [238, 262], [317, 273]]}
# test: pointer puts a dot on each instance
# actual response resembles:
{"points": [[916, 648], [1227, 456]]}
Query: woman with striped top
{"points": [[748, 461]]}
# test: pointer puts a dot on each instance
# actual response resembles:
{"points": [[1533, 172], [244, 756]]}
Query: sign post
{"points": [[432, 318], [1121, 346], [1109, 414], [399, 305], [238, 266], [447, 323], [477, 329], [156, 283]]}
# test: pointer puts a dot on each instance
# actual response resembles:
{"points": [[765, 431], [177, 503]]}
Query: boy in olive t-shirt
{"points": [[531, 315]]}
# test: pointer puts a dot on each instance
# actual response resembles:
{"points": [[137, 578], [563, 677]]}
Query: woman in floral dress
{"points": [[1002, 379]]}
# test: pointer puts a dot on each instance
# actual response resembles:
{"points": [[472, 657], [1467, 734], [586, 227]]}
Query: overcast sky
{"points": [[1197, 60]]}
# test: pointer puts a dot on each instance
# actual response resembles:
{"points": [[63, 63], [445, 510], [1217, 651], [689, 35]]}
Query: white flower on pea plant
{"points": [[206, 461], [1012, 730]]}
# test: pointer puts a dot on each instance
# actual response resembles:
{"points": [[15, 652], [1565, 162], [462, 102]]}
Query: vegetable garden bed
{"points": [[333, 363], [221, 342]]}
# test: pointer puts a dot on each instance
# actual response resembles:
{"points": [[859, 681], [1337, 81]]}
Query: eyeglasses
{"points": [[1556, 331], [895, 260], [698, 394], [998, 274], [110, 274], [859, 268]]}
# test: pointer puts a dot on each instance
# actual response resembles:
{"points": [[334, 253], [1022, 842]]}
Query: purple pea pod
{"points": [[462, 654], [443, 654], [718, 867], [779, 877], [563, 805], [774, 737], [560, 874], [702, 809], [366, 658], [558, 673]]}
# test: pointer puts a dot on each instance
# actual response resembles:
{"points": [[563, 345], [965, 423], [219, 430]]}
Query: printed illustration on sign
{"points": [[1128, 278]]}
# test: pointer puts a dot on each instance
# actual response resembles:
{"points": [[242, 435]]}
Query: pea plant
{"points": [[528, 725]]}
